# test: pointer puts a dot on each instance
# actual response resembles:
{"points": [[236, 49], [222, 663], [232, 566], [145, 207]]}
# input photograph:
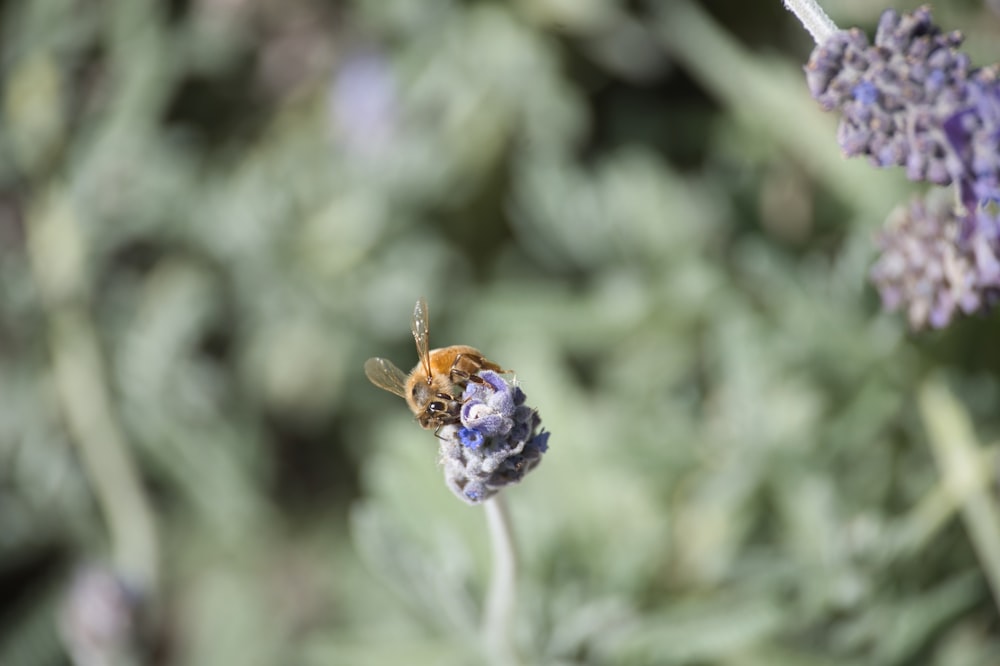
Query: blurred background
{"points": [[213, 211]]}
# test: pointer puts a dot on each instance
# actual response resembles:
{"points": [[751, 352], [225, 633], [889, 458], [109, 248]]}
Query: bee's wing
{"points": [[421, 328], [385, 375]]}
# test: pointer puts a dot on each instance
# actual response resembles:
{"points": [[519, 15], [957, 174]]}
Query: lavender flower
{"points": [[363, 105], [100, 619], [912, 99], [930, 270], [897, 95], [973, 134], [497, 443]]}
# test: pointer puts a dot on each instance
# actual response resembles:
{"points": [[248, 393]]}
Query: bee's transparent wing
{"points": [[384, 374], [421, 328]]}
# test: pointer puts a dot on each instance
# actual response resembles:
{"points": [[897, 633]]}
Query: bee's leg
{"points": [[457, 375]]}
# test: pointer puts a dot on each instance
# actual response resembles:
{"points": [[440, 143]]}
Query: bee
{"points": [[434, 387]]}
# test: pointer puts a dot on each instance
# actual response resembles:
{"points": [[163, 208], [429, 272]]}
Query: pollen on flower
{"points": [[497, 442]]}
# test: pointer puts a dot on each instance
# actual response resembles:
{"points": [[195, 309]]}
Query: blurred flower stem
{"points": [[813, 18], [769, 97], [959, 458], [58, 259], [498, 610], [935, 510]]}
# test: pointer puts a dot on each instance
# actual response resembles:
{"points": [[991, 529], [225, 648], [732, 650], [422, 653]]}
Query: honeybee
{"points": [[434, 387]]}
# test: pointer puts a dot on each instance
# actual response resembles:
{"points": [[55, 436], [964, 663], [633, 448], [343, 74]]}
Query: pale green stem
{"points": [[771, 99], [960, 460], [498, 613], [938, 506], [813, 18], [57, 253]]}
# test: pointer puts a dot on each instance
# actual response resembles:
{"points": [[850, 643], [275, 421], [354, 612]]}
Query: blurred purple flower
{"points": [[897, 95], [100, 618], [362, 103], [912, 99], [928, 269]]}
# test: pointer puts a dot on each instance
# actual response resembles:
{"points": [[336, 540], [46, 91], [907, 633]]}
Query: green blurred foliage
{"points": [[213, 211]]}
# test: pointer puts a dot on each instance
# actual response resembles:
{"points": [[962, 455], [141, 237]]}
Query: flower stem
{"points": [[499, 607], [813, 18], [57, 252], [958, 454], [769, 98]]}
